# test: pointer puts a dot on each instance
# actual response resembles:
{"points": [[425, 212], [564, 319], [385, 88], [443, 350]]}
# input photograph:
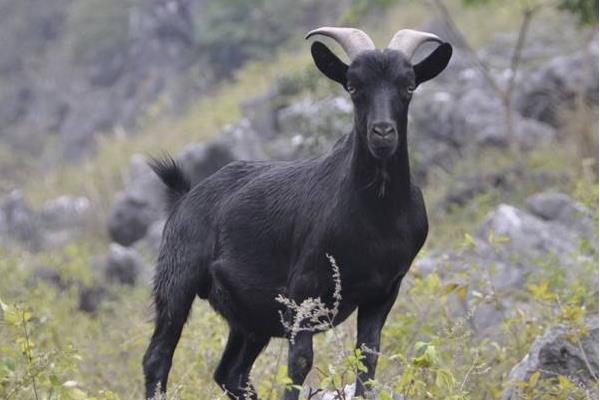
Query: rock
{"points": [[331, 395], [554, 87], [19, 221], [141, 203], [311, 126], [527, 235], [559, 207], [508, 246], [151, 242], [65, 212], [200, 160], [130, 218], [468, 187], [123, 265], [90, 297], [138, 205], [554, 353], [243, 141], [262, 112]]}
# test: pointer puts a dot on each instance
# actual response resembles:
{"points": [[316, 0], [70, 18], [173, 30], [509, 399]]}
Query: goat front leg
{"points": [[371, 318], [300, 361]]}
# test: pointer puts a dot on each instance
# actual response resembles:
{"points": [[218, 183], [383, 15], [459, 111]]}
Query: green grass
{"points": [[427, 352], [423, 341]]}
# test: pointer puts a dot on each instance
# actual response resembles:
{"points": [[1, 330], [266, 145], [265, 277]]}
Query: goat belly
{"points": [[245, 299]]}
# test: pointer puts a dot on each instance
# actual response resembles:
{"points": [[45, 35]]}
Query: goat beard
{"points": [[380, 180]]}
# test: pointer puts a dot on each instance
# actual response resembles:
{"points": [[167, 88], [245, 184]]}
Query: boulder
{"points": [[130, 218], [150, 244], [18, 222], [123, 265], [526, 235], [90, 297], [554, 87], [200, 160], [506, 249], [141, 203], [555, 353], [64, 212], [311, 126], [559, 207], [138, 205]]}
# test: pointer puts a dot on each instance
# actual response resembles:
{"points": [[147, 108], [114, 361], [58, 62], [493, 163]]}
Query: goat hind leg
{"points": [[172, 305], [252, 347]]}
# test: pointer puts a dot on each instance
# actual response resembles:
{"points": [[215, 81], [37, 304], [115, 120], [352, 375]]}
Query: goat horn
{"points": [[353, 41], [408, 41]]}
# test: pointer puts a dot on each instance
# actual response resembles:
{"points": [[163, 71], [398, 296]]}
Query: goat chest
{"points": [[374, 254]]}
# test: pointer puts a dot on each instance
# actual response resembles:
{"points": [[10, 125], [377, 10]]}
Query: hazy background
{"points": [[504, 144]]}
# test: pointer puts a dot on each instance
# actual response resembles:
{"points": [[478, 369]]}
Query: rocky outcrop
{"points": [[558, 352], [141, 203], [123, 265], [58, 221], [506, 250], [550, 90]]}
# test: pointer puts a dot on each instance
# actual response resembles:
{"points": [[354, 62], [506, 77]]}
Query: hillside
{"points": [[510, 267]]}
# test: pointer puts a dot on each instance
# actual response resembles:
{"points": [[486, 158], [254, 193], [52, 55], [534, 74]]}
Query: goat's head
{"points": [[380, 82]]}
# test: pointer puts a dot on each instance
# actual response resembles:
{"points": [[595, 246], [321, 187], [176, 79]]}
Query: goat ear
{"points": [[433, 64], [328, 63]]}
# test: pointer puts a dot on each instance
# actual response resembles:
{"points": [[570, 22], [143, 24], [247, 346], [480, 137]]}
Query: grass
{"points": [[424, 342], [428, 352]]}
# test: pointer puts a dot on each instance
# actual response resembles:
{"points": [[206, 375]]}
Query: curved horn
{"points": [[353, 41], [408, 41]]}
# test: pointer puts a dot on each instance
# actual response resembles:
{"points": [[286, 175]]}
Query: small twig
{"points": [[28, 354], [483, 68], [312, 394]]}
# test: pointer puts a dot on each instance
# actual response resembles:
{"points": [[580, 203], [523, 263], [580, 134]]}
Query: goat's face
{"points": [[380, 84]]}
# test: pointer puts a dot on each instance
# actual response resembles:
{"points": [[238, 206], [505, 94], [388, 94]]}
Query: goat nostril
{"points": [[383, 130]]}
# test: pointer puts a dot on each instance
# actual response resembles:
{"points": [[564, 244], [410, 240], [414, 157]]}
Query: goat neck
{"points": [[384, 181]]}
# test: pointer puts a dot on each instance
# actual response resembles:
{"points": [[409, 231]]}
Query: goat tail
{"points": [[170, 172]]}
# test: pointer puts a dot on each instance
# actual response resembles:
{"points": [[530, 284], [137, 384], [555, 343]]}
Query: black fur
{"points": [[254, 230], [172, 175]]}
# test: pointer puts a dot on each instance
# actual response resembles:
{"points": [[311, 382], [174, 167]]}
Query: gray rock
{"points": [[310, 127], [554, 354], [331, 395], [466, 188], [527, 235], [130, 218], [243, 141], [151, 241], [141, 203], [261, 111], [138, 205], [65, 212], [200, 160], [90, 297], [554, 206], [19, 222], [554, 87], [507, 247], [123, 265]]}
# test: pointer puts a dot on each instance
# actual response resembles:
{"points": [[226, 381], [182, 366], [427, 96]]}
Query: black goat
{"points": [[255, 230]]}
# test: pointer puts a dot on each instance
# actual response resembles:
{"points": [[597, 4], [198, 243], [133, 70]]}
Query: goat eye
{"points": [[350, 89], [410, 89]]}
